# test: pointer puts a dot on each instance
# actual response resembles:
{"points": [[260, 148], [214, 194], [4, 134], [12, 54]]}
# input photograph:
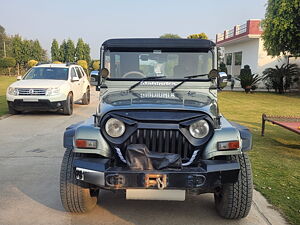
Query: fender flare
{"points": [[86, 130]]}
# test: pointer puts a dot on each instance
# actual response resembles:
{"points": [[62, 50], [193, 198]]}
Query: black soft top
{"points": [[150, 44]]}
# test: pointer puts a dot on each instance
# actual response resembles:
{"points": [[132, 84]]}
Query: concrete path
{"points": [[30, 155]]}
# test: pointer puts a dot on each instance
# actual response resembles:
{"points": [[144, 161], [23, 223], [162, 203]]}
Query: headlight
{"points": [[52, 91], [199, 129], [114, 127], [12, 91]]}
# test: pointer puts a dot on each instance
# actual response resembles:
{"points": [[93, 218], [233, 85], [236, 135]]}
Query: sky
{"points": [[98, 20]]}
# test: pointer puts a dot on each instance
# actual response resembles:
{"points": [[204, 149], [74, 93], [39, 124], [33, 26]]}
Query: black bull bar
{"points": [[209, 175]]}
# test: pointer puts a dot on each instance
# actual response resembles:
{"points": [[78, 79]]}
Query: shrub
{"points": [[198, 36], [96, 65], [7, 63], [57, 62], [83, 64], [247, 79], [222, 67], [281, 77], [171, 36], [32, 63]]}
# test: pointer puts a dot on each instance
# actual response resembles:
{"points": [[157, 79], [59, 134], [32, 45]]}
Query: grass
{"points": [[275, 158], [5, 81]]}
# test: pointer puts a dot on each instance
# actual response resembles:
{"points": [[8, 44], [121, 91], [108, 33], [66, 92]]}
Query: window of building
{"points": [[238, 58], [228, 57]]}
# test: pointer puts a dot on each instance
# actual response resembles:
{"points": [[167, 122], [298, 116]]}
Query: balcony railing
{"points": [[251, 27], [240, 29], [229, 33], [220, 37]]}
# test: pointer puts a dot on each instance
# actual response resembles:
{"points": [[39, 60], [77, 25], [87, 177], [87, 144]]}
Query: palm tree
{"points": [[281, 77]]}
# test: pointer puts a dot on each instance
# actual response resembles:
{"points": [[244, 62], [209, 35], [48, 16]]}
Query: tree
{"points": [[171, 36], [63, 51], [7, 62], [17, 48], [281, 77], [281, 27], [83, 64], [32, 63], [96, 65], [80, 49], [2, 40], [38, 53], [70, 51], [198, 36], [55, 54], [87, 52], [27, 51]]}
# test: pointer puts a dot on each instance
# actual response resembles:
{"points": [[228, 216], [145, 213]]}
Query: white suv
{"points": [[50, 87]]}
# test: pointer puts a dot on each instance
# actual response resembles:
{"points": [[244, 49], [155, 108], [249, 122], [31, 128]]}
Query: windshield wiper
{"points": [[144, 79], [186, 79]]}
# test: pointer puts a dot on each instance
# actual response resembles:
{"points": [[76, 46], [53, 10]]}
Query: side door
{"points": [[86, 78], [75, 84], [81, 80]]}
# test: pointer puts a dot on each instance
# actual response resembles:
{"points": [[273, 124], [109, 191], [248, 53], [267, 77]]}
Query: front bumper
{"points": [[41, 104], [209, 175]]}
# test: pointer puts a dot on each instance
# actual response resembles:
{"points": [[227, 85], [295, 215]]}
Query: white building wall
{"points": [[265, 61], [249, 49]]}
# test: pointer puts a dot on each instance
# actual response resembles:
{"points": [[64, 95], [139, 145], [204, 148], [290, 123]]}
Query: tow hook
{"points": [[196, 180], [156, 180], [115, 180]]}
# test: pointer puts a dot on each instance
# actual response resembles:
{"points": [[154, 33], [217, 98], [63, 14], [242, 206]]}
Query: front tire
{"points": [[68, 106], [233, 200], [74, 196], [12, 111]]}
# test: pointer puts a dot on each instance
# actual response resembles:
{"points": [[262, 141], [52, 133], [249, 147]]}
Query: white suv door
{"points": [[76, 85], [81, 80]]}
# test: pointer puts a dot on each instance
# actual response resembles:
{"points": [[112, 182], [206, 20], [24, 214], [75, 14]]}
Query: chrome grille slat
{"points": [[31, 91]]}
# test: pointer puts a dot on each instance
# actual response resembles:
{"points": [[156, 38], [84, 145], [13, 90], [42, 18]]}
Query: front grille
{"points": [[31, 91], [167, 141]]}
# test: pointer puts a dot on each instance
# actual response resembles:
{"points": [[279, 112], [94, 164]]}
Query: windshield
{"points": [[47, 73], [172, 65]]}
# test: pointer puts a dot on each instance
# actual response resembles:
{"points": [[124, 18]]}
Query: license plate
{"points": [[30, 100], [152, 194]]}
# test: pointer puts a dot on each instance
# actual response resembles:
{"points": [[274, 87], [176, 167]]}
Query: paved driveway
{"points": [[30, 155]]}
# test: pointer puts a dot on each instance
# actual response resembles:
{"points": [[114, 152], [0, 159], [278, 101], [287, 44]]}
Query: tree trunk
{"points": [[281, 86]]}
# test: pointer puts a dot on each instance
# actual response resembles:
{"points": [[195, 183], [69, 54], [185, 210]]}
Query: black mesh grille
{"points": [[168, 141]]}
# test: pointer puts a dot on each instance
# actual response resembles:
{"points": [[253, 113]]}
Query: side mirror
{"points": [[213, 74], [75, 79], [222, 80], [19, 77], [104, 73]]}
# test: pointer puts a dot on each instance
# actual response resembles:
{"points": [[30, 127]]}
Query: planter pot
{"points": [[247, 89]]}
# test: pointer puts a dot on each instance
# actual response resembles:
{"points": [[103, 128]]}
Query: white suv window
{"points": [[79, 73], [73, 73], [82, 71]]}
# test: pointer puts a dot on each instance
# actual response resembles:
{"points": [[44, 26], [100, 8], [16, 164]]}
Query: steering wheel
{"points": [[133, 72]]}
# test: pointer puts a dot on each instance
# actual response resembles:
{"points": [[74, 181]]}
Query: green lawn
{"points": [[5, 81], [276, 157]]}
